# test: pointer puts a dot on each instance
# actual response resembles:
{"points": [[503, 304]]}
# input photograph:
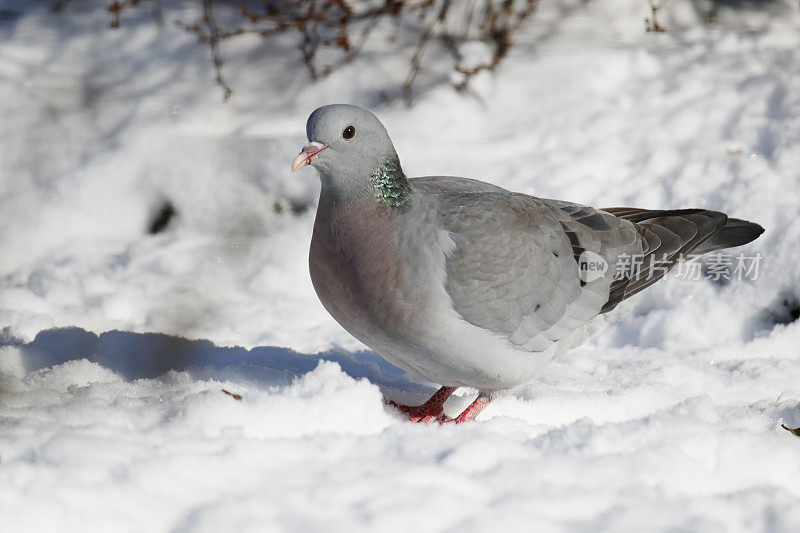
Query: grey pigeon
{"points": [[465, 284]]}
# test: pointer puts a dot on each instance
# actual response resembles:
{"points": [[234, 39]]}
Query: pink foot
{"points": [[470, 412], [429, 411]]}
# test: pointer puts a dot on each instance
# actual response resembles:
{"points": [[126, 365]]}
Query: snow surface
{"points": [[111, 419]]}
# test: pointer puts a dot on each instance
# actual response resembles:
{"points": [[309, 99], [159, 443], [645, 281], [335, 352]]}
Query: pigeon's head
{"points": [[345, 142]]}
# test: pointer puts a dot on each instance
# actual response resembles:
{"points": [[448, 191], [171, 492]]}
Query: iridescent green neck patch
{"points": [[391, 184]]}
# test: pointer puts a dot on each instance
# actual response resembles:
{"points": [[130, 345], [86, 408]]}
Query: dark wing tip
{"points": [[736, 232]]}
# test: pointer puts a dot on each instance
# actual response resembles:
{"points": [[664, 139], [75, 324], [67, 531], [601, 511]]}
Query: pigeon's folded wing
{"points": [[514, 269]]}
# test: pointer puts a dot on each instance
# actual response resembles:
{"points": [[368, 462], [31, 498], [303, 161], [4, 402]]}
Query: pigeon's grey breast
{"points": [[375, 270]]}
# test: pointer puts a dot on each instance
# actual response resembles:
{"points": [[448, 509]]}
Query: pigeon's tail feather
{"points": [[669, 236]]}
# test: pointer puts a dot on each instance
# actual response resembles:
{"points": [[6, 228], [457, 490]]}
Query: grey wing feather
{"points": [[513, 270]]}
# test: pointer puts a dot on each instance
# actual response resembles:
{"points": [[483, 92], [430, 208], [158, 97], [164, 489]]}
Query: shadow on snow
{"points": [[150, 355]]}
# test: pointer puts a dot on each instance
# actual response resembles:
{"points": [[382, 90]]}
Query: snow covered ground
{"points": [[115, 344]]}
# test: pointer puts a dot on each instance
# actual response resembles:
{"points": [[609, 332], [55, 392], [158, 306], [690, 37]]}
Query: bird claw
{"points": [[400, 407], [433, 409], [430, 411], [419, 413]]}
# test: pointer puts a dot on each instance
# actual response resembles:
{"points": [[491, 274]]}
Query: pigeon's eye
{"points": [[349, 132]]}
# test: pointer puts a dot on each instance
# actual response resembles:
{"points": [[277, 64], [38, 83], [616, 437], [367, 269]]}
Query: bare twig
{"points": [[651, 23], [501, 25], [416, 59], [232, 394], [214, 33], [116, 7], [347, 27]]}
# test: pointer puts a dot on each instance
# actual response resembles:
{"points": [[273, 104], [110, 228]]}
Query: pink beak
{"points": [[307, 155]]}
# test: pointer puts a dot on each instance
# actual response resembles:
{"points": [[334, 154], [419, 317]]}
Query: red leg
{"points": [[472, 411], [428, 411]]}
